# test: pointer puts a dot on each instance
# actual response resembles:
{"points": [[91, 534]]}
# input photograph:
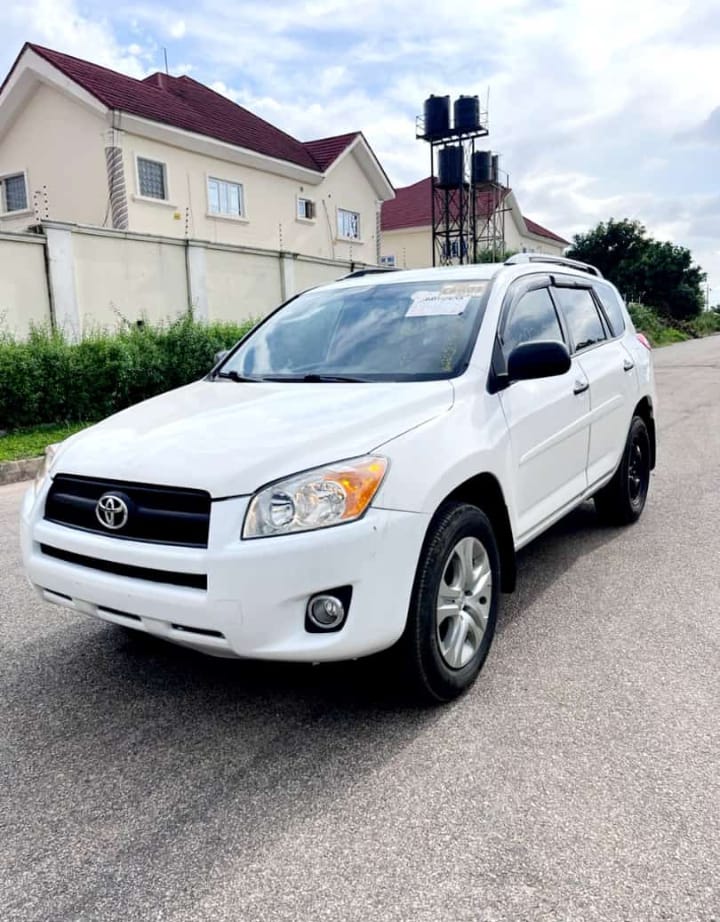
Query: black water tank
{"points": [[450, 166], [482, 166], [496, 168], [466, 111], [437, 116]]}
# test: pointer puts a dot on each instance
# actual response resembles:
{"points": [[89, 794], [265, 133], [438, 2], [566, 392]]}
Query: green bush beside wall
{"points": [[46, 379]]}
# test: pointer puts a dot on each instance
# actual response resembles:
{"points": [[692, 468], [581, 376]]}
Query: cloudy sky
{"points": [[600, 108]]}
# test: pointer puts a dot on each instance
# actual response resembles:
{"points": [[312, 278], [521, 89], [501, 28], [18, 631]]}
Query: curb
{"points": [[15, 471]]}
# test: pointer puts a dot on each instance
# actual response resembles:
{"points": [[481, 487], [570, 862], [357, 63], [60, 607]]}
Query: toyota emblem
{"points": [[111, 511]]}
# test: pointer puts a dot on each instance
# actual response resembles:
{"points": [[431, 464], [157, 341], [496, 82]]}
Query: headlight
{"points": [[316, 499], [50, 453]]}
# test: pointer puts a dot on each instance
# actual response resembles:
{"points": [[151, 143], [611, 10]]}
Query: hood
{"points": [[231, 438]]}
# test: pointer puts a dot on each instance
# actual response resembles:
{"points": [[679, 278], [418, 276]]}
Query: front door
{"points": [[548, 419], [608, 367]]}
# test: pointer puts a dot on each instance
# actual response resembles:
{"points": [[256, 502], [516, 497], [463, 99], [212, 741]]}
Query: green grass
{"points": [[30, 443]]}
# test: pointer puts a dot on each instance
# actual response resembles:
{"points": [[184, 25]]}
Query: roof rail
{"points": [[520, 258], [370, 270]]}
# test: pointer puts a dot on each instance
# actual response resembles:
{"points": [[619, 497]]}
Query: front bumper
{"points": [[257, 591]]}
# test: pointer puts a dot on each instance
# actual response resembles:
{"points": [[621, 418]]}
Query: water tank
{"points": [[450, 166], [437, 116], [496, 168], [466, 111], [482, 166]]}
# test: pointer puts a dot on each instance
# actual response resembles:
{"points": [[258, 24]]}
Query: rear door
{"points": [[607, 365], [547, 418]]}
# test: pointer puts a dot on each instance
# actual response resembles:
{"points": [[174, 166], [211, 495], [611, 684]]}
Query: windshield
{"points": [[387, 332]]}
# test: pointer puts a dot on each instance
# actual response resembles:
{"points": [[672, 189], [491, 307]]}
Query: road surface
{"points": [[578, 780]]}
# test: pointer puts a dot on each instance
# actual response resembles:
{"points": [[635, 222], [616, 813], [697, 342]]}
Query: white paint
{"points": [[197, 280], [24, 296], [287, 275], [61, 278]]}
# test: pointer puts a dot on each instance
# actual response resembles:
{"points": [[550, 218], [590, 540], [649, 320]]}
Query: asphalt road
{"points": [[578, 780]]}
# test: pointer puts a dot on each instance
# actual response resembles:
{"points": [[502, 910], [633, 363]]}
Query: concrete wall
{"points": [[24, 295], [124, 276], [60, 144], [411, 247], [83, 277], [242, 285]]}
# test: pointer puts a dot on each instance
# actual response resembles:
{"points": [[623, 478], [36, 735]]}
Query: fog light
{"points": [[326, 612]]}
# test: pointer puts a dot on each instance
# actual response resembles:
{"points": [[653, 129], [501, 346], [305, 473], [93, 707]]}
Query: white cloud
{"points": [[178, 28], [60, 24]]}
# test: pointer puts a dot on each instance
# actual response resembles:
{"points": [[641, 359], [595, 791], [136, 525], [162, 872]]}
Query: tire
{"points": [[445, 642], [622, 501]]}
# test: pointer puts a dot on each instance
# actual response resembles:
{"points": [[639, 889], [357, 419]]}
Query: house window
{"points": [[387, 261], [348, 224], [225, 198], [152, 179], [305, 209], [13, 193]]}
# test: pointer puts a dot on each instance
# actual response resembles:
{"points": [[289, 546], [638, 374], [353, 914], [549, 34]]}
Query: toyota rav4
{"points": [[359, 471]]}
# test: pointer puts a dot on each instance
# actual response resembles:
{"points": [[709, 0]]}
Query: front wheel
{"points": [[454, 604], [623, 499]]}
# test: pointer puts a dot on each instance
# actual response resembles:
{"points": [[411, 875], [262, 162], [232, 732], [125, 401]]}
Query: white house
{"points": [[167, 156]]}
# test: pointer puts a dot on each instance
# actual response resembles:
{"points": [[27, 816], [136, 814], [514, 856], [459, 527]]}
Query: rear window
{"points": [[582, 316], [613, 307]]}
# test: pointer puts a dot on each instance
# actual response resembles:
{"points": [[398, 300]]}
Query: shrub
{"points": [[705, 324], [46, 379], [654, 327]]}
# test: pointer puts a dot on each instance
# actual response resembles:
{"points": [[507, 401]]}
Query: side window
{"points": [[531, 318], [613, 307], [581, 315]]}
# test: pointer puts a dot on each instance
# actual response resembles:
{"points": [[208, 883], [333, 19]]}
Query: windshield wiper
{"points": [[316, 379], [234, 376]]}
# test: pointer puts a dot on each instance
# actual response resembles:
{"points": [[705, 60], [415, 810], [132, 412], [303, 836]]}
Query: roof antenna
{"points": [[166, 64]]}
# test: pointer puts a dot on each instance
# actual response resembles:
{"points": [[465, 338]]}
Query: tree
{"points": [[660, 275]]}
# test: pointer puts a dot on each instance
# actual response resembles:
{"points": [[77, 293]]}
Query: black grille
{"points": [[162, 515], [194, 580]]}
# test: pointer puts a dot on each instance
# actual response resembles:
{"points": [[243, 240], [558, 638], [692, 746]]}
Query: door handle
{"points": [[580, 386], [628, 365]]}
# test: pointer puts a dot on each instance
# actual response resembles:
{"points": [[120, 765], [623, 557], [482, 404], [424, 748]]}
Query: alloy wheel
{"points": [[463, 602]]}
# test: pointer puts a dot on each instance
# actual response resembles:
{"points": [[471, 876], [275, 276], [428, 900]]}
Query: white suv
{"points": [[359, 471]]}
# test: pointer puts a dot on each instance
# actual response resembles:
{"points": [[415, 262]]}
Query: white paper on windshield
{"points": [[464, 289], [435, 303]]}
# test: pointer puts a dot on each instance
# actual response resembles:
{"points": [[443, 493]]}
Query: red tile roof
{"points": [[412, 207], [541, 231], [184, 103], [325, 151]]}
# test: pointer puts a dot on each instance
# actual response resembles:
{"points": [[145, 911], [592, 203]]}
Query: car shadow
{"points": [[541, 562]]}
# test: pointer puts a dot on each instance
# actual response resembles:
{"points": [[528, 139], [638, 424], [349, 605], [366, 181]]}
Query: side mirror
{"points": [[219, 356], [543, 359]]}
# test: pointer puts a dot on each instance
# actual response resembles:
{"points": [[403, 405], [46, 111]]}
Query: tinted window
{"points": [[582, 316], [532, 318], [610, 300], [377, 332]]}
